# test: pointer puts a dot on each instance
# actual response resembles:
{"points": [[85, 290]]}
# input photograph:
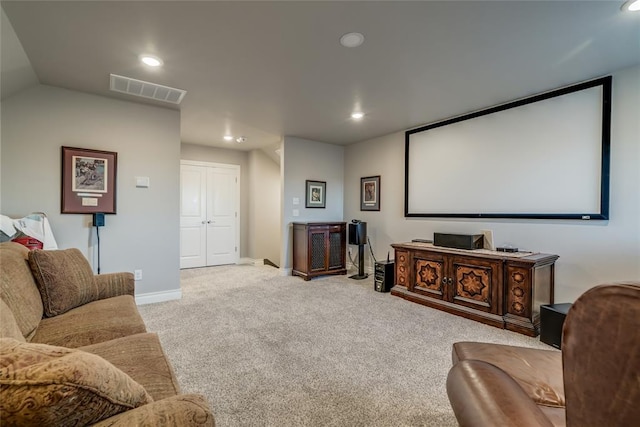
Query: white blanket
{"points": [[34, 225]]}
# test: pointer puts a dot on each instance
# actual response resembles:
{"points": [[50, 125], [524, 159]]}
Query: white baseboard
{"points": [[250, 261], [285, 271], [153, 297]]}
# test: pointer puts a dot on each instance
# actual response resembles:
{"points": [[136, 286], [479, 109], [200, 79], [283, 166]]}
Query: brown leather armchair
{"points": [[593, 381]]}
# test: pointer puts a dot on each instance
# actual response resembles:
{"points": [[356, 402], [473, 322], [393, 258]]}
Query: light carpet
{"points": [[269, 350]]}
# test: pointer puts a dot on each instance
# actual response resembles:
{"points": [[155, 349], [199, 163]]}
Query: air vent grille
{"points": [[146, 90]]}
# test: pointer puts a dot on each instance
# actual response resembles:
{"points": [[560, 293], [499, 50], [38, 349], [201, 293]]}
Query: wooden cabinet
{"points": [[499, 289], [319, 248]]}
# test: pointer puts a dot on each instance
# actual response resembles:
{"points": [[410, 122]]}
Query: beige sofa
{"points": [[75, 351]]}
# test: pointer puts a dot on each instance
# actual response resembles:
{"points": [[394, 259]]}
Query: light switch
{"points": [[142, 181], [296, 200]]}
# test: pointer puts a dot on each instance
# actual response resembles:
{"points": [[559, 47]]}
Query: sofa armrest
{"points": [[182, 410], [482, 394], [114, 284]]}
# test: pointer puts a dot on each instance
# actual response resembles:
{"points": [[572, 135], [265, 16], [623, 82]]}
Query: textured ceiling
{"points": [[269, 69]]}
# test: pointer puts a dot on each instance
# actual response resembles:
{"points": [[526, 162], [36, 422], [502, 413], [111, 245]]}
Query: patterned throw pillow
{"points": [[64, 278], [47, 385]]}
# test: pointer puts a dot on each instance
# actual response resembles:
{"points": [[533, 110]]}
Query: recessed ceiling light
{"points": [[241, 139], [228, 138], [151, 61], [631, 5], [357, 115], [352, 40]]}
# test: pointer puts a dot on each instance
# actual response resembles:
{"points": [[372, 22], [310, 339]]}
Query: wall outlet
{"points": [[137, 275], [349, 251]]}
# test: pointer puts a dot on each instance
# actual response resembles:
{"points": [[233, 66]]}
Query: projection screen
{"points": [[545, 156]]}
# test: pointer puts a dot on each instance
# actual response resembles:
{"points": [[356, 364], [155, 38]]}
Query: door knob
{"points": [[203, 222], [209, 222]]}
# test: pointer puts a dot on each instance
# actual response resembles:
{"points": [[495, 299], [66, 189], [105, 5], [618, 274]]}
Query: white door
{"points": [[209, 223], [222, 216], [193, 216]]}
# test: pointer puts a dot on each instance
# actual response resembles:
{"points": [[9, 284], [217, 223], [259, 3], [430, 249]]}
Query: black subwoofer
{"points": [[551, 321]]}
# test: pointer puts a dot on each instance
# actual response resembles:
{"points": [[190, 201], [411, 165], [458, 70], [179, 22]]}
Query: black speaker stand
{"points": [[361, 274]]}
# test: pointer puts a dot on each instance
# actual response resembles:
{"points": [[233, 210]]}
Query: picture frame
{"points": [[88, 181], [315, 194], [370, 193]]}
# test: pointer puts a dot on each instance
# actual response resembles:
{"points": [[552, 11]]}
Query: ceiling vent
{"points": [[146, 89]]}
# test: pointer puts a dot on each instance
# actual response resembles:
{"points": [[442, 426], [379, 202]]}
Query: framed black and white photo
{"points": [[315, 194], [370, 193], [88, 181]]}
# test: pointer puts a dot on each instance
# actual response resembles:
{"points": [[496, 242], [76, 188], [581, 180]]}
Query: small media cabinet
{"points": [[319, 248], [500, 289]]}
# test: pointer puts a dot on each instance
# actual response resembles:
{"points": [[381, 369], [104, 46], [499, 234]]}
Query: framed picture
{"points": [[370, 193], [88, 181], [315, 194]]}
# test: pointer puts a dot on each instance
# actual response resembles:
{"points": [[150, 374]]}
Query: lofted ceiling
{"points": [[265, 69]]}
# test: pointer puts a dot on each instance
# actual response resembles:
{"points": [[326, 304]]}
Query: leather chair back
{"points": [[601, 357]]}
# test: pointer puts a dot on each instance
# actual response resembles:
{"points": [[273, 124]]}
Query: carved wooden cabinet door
{"points": [[429, 275], [476, 283]]}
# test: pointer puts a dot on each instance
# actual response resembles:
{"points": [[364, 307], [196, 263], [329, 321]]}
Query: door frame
{"points": [[238, 171]]}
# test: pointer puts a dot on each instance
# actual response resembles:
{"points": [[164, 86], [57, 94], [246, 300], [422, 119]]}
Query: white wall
{"points": [[144, 234], [591, 252], [309, 160], [264, 207]]}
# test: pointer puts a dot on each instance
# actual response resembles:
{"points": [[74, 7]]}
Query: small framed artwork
{"points": [[88, 181], [370, 193], [316, 194]]}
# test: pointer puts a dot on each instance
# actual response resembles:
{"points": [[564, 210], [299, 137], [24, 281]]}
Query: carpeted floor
{"points": [[268, 350]]}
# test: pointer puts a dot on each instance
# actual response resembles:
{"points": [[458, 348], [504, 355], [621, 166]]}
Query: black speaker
{"points": [[358, 233], [551, 321], [458, 241]]}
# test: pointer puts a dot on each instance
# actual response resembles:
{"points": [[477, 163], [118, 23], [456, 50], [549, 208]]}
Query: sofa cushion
{"points": [[185, 410], [18, 288], [48, 385], [64, 278], [141, 357], [538, 372], [98, 321], [8, 326]]}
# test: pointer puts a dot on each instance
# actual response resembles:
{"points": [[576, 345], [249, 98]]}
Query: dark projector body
{"points": [[458, 241]]}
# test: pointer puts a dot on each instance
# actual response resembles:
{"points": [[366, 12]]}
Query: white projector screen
{"points": [[545, 156]]}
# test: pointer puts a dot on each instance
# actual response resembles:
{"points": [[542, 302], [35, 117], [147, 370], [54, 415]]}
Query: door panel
{"points": [[318, 251], [193, 180], [222, 190]]}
